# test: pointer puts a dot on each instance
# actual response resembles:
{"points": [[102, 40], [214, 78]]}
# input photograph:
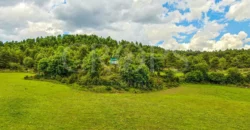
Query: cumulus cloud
{"points": [[239, 10], [220, 7], [202, 40], [146, 21], [229, 41]]}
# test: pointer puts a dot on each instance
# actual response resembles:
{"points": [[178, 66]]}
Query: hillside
{"points": [[89, 61]]}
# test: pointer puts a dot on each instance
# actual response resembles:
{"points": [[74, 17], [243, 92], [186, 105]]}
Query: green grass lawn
{"points": [[28, 105]]}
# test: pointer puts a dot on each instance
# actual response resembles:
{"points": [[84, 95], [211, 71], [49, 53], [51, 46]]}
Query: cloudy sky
{"points": [[171, 24]]}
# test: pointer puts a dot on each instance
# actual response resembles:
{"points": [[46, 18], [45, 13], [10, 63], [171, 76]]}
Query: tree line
{"points": [[85, 60]]}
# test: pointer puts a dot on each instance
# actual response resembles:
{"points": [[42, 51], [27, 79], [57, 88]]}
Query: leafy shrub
{"points": [[234, 76], [58, 78], [217, 78], [64, 80], [72, 78], [247, 78], [15, 66], [86, 80], [170, 79], [28, 62], [26, 77], [108, 88], [202, 67], [194, 76], [38, 76], [169, 76], [111, 80], [99, 89], [155, 83]]}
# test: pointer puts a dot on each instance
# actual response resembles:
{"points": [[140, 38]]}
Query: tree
{"points": [[214, 63], [155, 63], [137, 76], [43, 65], [92, 64], [1, 43], [170, 59], [202, 67], [5, 58], [206, 57], [222, 63], [28, 62], [83, 51], [57, 65], [194, 76]]}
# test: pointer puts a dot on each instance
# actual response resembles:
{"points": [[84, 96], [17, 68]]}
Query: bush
{"points": [[111, 80], [64, 80], [234, 76], [87, 80], [28, 62], [217, 78], [15, 66], [194, 76], [170, 79], [26, 77], [169, 76], [155, 83], [38, 76], [72, 79], [247, 78], [58, 78]]}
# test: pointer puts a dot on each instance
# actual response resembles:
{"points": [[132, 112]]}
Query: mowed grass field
{"points": [[26, 104]]}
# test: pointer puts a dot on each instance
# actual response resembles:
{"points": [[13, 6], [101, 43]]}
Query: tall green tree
{"points": [[214, 63], [92, 64], [222, 63]]}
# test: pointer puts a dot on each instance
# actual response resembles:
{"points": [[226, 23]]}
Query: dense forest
{"points": [[89, 60]]}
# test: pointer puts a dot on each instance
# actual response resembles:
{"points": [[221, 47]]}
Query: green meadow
{"points": [[31, 105]]}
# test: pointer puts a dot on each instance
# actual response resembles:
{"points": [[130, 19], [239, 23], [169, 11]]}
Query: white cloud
{"points": [[239, 11], [229, 41], [197, 8], [220, 7], [202, 40]]}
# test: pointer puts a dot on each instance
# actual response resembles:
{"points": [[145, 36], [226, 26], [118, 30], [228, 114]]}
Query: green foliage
{"points": [[248, 77], [202, 67], [214, 63], [135, 76], [234, 76], [43, 65], [5, 57], [194, 76], [155, 63], [170, 79], [217, 78], [92, 64], [222, 63], [15, 66], [1, 43], [84, 59], [28, 62], [170, 59]]}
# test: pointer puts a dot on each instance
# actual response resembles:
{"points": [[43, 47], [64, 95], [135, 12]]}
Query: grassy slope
{"points": [[42, 105]]}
